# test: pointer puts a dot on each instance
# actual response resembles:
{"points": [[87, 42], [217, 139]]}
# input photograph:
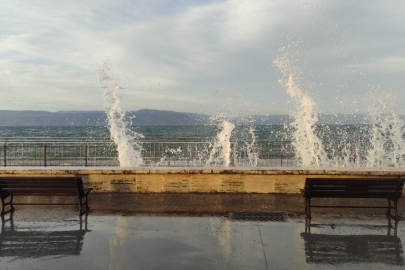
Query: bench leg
{"points": [[12, 209], [396, 209], [81, 206], [389, 208], [308, 207], [87, 205], [307, 225], [81, 222], [83, 202], [4, 204]]}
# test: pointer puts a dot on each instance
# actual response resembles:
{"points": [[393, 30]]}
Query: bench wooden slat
{"points": [[59, 178], [356, 184], [39, 180], [16, 192], [37, 185], [352, 179], [350, 196], [314, 193], [31, 187], [388, 185], [6, 180], [43, 179], [372, 188]]}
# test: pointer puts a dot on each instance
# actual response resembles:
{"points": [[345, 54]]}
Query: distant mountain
{"points": [[152, 117], [343, 119], [43, 118], [156, 117], [97, 118]]}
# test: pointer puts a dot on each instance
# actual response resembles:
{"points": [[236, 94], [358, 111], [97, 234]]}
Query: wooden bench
{"points": [[42, 186], [385, 188]]}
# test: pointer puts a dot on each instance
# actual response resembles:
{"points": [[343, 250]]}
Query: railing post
{"points": [[85, 154], [154, 153], [233, 153], [188, 154], [169, 154], [45, 154], [5, 154]]}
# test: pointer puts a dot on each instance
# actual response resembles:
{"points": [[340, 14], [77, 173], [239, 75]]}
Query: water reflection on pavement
{"points": [[115, 237]]}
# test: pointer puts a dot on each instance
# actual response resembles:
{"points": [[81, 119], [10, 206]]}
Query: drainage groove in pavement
{"points": [[259, 216]]}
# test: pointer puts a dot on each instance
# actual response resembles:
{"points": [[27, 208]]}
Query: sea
{"points": [[327, 133]]}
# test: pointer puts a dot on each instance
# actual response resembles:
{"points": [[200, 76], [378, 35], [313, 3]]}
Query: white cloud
{"points": [[173, 55]]}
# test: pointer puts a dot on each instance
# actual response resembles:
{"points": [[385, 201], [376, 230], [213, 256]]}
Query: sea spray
{"points": [[251, 148], [342, 144], [308, 147], [387, 145], [235, 110], [127, 141], [221, 151], [246, 142], [170, 156]]}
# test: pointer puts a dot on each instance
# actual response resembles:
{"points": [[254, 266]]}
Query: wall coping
{"points": [[206, 170]]}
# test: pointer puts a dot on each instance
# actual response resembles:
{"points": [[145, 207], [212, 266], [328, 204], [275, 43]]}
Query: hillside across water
{"points": [[148, 117]]}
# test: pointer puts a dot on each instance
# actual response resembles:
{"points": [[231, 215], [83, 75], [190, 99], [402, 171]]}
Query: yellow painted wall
{"points": [[200, 180]]}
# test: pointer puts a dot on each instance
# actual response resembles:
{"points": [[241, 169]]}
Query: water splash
{"points": [[221, 151], [170, 153], [129, 149], [387, 130], [345, 152], [237, 111], [251, 148], [308, 147]]}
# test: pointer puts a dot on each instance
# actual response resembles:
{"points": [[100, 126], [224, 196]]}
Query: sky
{"points": [[200, 56]]}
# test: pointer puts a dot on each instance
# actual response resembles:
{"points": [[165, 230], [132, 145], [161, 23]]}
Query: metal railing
{"points": [[102, 152], [92, 152]]}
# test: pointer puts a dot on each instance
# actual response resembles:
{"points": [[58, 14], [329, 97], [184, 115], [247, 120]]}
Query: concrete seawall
{"points": [[206, 180]]}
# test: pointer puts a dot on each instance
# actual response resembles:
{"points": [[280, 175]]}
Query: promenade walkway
{"points": [[194, 231]]}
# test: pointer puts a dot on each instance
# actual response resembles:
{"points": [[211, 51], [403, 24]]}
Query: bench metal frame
{"points": [[385, 188], [43, 186]]}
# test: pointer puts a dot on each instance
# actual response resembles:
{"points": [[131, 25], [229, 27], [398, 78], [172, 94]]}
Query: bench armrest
{"points": [[87, 190]]}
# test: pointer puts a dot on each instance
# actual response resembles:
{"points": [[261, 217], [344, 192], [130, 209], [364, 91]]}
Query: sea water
{"points": [[329, 133]]}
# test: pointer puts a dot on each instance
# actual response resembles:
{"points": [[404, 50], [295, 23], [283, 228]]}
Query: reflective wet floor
{"points": [[195, 231]]}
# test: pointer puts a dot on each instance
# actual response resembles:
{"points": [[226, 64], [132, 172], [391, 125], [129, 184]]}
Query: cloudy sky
{"points": [[199, 55]]}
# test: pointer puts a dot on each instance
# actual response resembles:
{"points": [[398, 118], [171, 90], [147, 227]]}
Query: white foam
{"points": [[129, 149], [308, 147], [251, 148], [387, 131], [221, 151]]}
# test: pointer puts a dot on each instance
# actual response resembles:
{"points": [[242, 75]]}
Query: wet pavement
{"points": [[194, 231]]}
